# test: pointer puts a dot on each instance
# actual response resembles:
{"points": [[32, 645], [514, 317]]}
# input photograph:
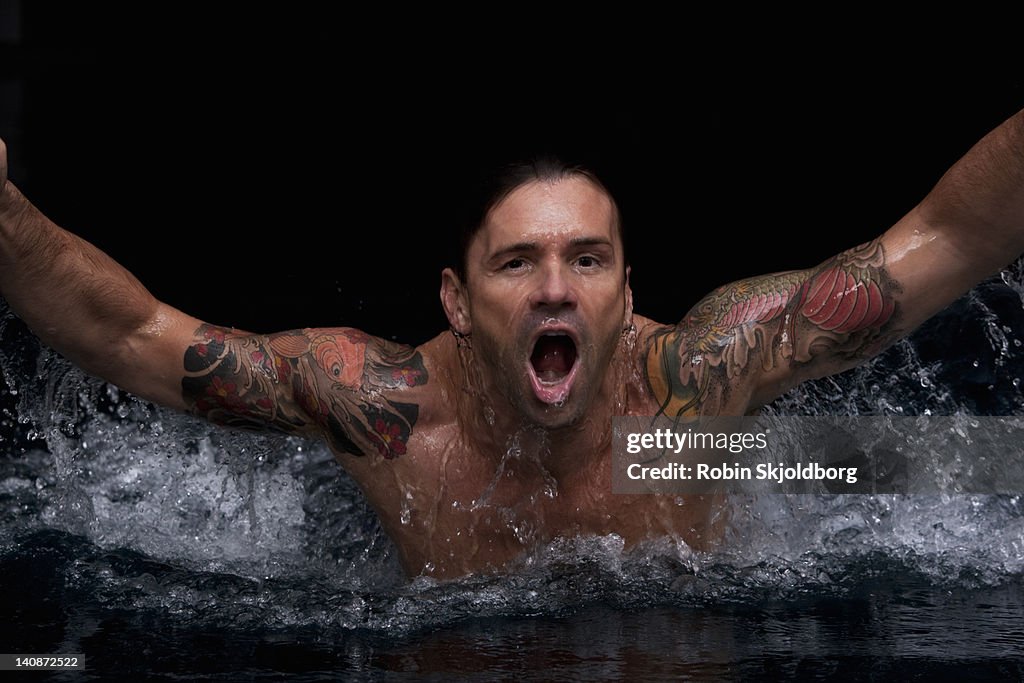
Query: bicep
{"points": [[843, 312], [356, 391], [749, 341]]}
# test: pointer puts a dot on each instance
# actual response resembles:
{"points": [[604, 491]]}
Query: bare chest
{"points": [[458, 512]]}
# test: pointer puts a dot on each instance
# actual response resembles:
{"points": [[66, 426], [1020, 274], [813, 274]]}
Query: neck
{"points": [[497, 430]]}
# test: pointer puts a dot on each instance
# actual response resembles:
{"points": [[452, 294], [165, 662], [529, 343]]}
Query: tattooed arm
{"points": [[751, 340], [357, 391], [748, 342]]}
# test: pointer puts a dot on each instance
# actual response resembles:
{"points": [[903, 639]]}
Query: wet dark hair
{"points": [[492, 186]]}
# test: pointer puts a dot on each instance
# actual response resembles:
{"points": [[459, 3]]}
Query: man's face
{"points": [[547, 297]]}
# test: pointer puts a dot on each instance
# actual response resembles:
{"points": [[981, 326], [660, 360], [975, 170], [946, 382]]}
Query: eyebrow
{"points": [[577, 242]]}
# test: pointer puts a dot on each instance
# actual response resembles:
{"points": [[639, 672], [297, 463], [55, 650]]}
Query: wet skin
{"points": [[493, 439], [474, 497], [473, 456]]}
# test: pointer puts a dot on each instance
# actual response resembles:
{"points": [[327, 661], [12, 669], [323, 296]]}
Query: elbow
{"points": [[138, 359]]}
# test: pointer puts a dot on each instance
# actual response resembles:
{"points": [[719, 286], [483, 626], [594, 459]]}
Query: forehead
{"points": [[548, 210]]}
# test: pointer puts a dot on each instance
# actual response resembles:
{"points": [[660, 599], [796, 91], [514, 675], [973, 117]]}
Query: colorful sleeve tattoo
{"points": [[333, 381], [843, 310]]}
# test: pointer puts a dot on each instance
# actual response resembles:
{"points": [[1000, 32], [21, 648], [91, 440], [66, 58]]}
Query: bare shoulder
{"points": [[364, 394]]}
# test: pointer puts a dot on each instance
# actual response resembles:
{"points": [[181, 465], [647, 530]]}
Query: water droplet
{"points": [[1016, 381], [975, 363], [405, 514]]}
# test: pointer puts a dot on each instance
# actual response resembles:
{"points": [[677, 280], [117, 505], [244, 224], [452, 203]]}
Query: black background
{"points": [[278, 170]]}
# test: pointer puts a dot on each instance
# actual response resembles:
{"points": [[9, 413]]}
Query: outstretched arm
{"points": [[357, 391], [748, 342], [77, 300]]}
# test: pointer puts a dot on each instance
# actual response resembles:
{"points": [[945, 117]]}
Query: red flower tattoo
{"points": [[224, 394], [263, 361], [221, 389], [407, 374], [387, 438]]}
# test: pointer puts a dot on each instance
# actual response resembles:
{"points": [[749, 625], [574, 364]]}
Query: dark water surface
{"points": [[894, 625]]}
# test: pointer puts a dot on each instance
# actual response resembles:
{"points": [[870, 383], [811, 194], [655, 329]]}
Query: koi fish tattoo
{"points": [[842, 311], [333, 381]]}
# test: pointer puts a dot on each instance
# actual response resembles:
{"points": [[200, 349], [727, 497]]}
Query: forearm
{"points": [[978, 204], [968, 227], [74, 297]]}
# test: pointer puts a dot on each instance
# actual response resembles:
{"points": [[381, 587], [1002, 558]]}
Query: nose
{"points": [[554, 287]]}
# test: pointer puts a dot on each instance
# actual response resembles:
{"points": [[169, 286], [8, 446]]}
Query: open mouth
{"points": [[553, 365]]}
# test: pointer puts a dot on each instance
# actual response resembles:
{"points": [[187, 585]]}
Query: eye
{"points": [[588, 262], [514, 264]]}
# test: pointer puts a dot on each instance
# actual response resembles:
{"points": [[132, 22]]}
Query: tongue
{"points": [[553, 358]]}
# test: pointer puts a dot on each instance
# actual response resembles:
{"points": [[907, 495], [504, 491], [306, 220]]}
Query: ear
{"points": [[456, 302], [628, 319]]}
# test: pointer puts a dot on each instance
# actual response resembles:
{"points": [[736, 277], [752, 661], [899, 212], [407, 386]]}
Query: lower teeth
{"points": [[550, 376]]}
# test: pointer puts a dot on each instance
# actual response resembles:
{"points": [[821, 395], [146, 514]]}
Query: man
{"points": [[495, 436]]}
